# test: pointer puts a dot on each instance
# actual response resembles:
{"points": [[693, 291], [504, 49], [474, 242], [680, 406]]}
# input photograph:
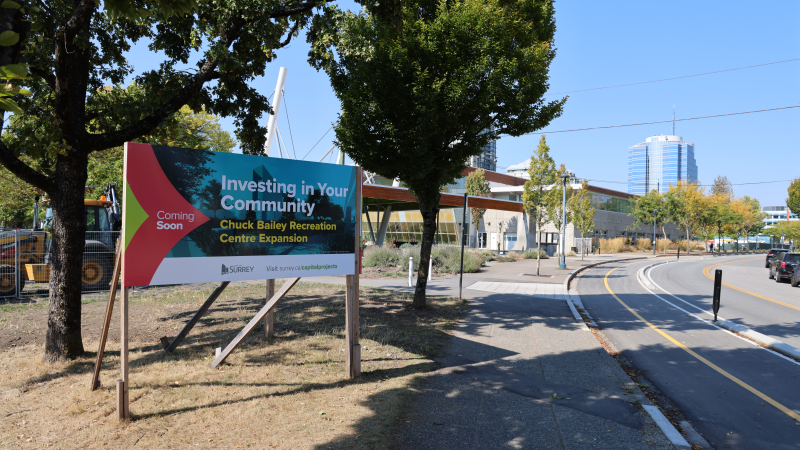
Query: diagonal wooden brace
{"points": [[197, 316], [106, 321], [255, 321]]}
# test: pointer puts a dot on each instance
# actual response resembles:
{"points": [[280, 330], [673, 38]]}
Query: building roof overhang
{"points": [[401, 199]]}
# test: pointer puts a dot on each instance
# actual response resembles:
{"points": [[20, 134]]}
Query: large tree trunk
{"points": [[429, 212], [63, 339]]}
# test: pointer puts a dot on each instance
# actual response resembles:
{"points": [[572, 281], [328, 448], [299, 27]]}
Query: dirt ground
{"points": [[289, 392]]}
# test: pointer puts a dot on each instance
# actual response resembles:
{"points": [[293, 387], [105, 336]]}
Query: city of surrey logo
{"points": [[226, 270]]}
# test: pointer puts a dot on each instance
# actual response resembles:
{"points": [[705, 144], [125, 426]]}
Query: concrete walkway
{"points": [[521, 372]]}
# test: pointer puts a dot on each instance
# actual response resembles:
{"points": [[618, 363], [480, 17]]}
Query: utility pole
{"points": [[655, 212], [563, 263]]}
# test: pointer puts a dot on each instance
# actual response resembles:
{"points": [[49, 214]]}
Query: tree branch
{"points": [[289, 36], [48, 77], [286, 12], [24, 171]]}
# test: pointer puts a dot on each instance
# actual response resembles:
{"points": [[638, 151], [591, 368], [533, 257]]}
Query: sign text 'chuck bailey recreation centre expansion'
{"points": [[198, 216]]}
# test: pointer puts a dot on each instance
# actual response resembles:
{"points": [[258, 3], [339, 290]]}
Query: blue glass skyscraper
{"points": [[659, 162]]}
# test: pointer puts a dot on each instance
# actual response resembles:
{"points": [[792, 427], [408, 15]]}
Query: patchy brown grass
{"points": [[289, 392]]}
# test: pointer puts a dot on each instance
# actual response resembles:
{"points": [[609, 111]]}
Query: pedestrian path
{"points": [[548, 290]]}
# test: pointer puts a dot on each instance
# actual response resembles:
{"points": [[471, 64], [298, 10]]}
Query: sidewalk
{"points": [[520, 372]]}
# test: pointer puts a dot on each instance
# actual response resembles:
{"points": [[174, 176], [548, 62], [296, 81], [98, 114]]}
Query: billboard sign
{"points": [[197, 216]]}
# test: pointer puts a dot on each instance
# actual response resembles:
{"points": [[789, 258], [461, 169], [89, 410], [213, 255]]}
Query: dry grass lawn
{"points": [[287, 393]]}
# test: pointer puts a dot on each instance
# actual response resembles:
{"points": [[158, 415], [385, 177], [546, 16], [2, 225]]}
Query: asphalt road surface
{"points": [[735, 393]]}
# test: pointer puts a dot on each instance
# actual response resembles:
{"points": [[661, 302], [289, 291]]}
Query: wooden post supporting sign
{"points": [[171, 346], [352, 347], [269, 320]]}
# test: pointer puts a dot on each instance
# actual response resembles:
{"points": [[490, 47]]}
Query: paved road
{"points": [[748, 297], [736, 394]]}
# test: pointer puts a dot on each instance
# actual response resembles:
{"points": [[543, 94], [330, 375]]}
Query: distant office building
{"points": [[777, 214], [659, 162], [487, 160]]}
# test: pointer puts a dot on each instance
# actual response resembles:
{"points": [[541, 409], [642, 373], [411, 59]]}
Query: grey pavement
{"points": [[521, 372]]}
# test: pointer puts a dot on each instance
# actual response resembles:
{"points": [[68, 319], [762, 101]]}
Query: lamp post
{"points": [[563, 263], [655, 214], [719, 235]]}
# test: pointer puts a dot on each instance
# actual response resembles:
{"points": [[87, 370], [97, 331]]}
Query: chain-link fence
{"points": [[25, 262]]}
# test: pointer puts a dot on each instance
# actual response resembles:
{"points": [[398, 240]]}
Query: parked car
{"points": [[783, 266], [771, 255]]}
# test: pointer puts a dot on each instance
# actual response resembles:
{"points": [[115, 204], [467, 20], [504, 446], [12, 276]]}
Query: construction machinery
{"points": [[25, 253]]}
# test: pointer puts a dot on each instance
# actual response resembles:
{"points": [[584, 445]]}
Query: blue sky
{"points": [[603, 44]]}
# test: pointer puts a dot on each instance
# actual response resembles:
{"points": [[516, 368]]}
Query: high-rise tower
{"points": [[659, 162]]}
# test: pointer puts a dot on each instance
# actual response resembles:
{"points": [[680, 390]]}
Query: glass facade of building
{"points": [[486, 160], [610, 203], [406, 226], [659, 162]]}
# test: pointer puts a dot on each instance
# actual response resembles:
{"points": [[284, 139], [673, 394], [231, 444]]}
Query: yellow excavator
{"points": [[25, 253]]}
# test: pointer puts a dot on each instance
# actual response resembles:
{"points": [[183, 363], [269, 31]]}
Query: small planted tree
{"points": [[582, 210], [477, 185], [542, 173], [426, 84]]}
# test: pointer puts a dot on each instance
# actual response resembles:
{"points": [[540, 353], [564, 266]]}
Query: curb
{"points": [[574, 299], [767, 341], [669, 430]]}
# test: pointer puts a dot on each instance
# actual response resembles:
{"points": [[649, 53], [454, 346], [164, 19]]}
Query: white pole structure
{"points": [[273, 119], [430, 269], [327, 153], [340, 158], [410, 271], [283, 143]]}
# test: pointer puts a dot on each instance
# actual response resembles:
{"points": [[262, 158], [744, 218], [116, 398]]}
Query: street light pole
{"points": [[563, 263], [655, 213]]}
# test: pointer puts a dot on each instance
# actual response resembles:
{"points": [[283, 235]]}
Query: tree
{"points": [[723, 189], [752, 216], [793, 200], [685, 204], [430, 83], [582, 211], [542, 174], [477, 185], [644, 208], [68, 53], [555, 203]]}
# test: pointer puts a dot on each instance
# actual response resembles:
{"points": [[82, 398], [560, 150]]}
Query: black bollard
{"points": [[717, 291]]}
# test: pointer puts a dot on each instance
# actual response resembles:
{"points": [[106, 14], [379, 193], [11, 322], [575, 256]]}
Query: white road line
{"points": [[704, 320]]}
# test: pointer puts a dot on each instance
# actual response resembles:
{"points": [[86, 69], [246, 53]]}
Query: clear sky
{"points": [[604, 44]]}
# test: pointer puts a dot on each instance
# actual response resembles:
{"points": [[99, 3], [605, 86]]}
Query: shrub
{"points": [[381, 257], [615, 245], [569, 253], [644, 244], [531, 254], [446, 259]]}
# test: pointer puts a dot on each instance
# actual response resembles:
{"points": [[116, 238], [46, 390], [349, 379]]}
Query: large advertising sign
{"points": [[197, 216]]}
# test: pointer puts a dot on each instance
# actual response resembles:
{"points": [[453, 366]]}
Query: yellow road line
{"points": [[741, 383], [707, 273]]}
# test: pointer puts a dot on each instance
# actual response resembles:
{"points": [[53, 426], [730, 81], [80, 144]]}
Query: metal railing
{"points": [[25, 262]]}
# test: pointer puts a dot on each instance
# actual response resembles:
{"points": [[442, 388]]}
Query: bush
{"points": [[644, 244], [381, 257], [569, 253], [531, 254], [615, 245], [446, 259]]}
